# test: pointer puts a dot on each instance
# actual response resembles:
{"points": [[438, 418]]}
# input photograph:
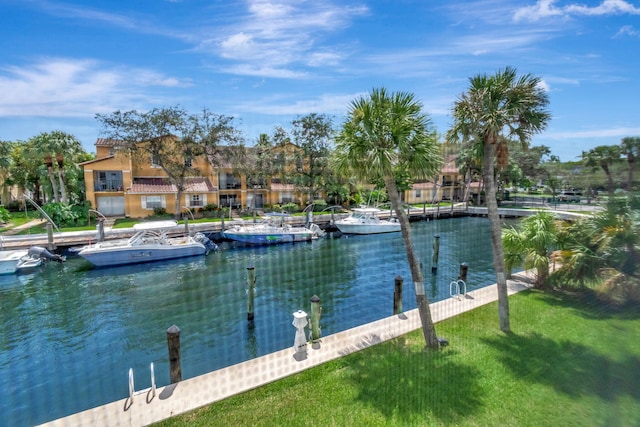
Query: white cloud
{"points": [[627, 30], [282, 34], [61, 87], [546, 8]]}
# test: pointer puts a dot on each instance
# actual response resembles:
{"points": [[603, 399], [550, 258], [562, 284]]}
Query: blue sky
{"points": [[267, 62]]}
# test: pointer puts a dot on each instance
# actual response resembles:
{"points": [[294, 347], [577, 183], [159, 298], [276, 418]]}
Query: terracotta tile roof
{"points": [[96, 160], [162, 185], [108, 142]]}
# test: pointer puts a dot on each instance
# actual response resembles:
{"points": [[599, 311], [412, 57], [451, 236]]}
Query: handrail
{"points": [[41, 212], [131, 387], [153, 380], [457, 288], [190, 212], [99, 214]]}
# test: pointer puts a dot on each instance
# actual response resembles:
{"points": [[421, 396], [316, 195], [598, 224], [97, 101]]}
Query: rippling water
{"points": [[70, 333]]}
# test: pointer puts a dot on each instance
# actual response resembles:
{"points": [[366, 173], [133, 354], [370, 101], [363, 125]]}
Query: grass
{"points": [[570, 361]]}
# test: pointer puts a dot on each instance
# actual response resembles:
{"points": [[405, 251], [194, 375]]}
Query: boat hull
{"points": [[367, 228], [267, 238], [108, 257], [9, 261]]}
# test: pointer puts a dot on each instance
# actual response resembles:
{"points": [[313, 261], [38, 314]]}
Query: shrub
{"points": [[159, 211], [63, 215], [319, 205], [291, 208], [4, 215]]}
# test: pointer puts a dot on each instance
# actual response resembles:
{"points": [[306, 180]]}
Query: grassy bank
{"points": [[570, 361]]}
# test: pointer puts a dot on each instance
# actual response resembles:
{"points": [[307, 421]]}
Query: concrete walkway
{"points": [[195, 392]]}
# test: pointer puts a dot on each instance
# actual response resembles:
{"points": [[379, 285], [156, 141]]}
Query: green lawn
{"points": [[569, 362]]}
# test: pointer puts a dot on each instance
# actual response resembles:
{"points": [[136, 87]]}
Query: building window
{"points": [[188, 162], [152, 202], [229, 201], [107, 181], [196, 200], [155, 161], [418, 194], [229, 182]]}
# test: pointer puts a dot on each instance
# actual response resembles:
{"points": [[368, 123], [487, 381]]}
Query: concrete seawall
{"points": [[205, 389]]}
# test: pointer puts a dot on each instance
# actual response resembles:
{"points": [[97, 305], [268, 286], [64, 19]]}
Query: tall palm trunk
{"points": [[428, 327], [54, 185], [496, 235], [63, 188]]}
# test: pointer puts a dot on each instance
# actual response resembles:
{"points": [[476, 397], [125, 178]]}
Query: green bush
{"points": [[64, 215], [4, 215], [159, 211], [291, 208], [319, 205]]}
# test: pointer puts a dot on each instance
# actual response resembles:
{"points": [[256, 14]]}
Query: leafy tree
{"points": [[630, 147], [171, 136], [493, 110], [27, 171], [313, 134], [6, 148], [603, 156], [530, 244], [383, 133]]}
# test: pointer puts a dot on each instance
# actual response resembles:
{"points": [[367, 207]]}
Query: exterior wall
{"points": [[117, 163]]}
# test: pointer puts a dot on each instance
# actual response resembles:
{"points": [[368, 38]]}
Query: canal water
{"points": [[70, 333]]}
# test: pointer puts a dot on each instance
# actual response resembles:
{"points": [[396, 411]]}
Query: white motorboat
{"points": [[9, 260], [273, 229], [366, 220], [149, 243], [22, 260]]}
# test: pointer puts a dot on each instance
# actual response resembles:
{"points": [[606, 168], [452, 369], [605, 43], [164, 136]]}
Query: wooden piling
{"points": [[173, 343], [316, 310], [464, 268], [51, 245], [436, 253], [186, 226], [251, 292], [100, 229], [397, 295]]}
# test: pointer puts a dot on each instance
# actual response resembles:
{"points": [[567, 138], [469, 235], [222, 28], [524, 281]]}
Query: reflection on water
{"points": [[70, 334]]}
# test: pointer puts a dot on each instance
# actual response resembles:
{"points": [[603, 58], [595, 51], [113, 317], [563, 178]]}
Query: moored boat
{"points": [[366, 220], [149, 243], [9, 260], [273, 229]]}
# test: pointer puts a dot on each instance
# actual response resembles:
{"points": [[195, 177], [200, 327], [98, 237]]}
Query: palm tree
{"points": [[386, 133], [531, 244], [495, 109], [603, 156], [631, 148], [55, 146], [607, 241]]}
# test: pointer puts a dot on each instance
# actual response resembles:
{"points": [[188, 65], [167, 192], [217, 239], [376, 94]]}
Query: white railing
{"points": [[151, 389], [457, 288]]}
